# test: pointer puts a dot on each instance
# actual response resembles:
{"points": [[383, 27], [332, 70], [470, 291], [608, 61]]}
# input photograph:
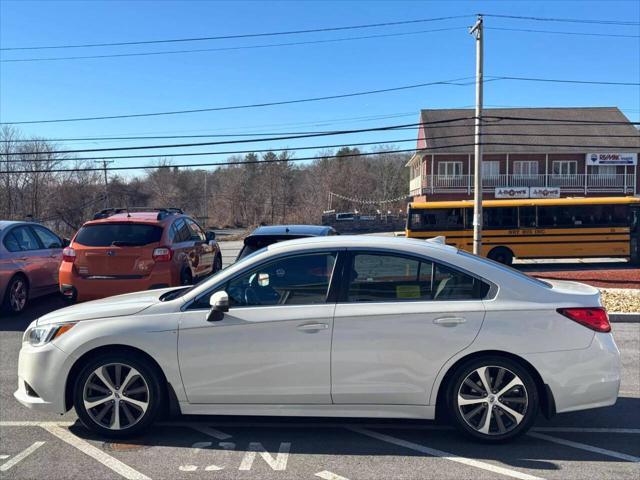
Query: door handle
{"points": [[449, 321], [312, 327]]}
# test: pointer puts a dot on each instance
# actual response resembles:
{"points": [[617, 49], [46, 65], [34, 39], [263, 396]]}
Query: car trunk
{"points": [[116, 249]]}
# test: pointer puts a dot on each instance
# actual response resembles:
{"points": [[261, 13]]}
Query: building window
{"points": [[605, 170], [449, 169], [525, 168], [490, 168], [564, 167]]}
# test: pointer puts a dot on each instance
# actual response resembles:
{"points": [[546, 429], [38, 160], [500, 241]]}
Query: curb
{"points": [[624, 317]]}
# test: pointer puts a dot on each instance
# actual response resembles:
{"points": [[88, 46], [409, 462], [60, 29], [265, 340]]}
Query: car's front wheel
{"points": [[492, 399], [118, 395]]}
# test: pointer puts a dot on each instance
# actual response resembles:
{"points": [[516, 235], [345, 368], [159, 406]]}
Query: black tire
{"points": [[186, 278], [148, 377], [16, 296], [217, 264], [522, 399], [501, 255]]}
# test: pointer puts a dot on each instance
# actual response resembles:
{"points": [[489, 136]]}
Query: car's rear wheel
{"points": [[501, 255], [492, 399], [118, 395], [217, 264], [16, 295]]}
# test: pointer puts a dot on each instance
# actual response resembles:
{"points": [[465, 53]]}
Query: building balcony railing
{"points": [[615, 183]]}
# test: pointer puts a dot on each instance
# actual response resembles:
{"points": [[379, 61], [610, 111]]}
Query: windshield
{"points": [[118, 235]]}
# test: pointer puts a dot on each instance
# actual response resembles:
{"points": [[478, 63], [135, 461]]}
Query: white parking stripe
{"points": [[634, 431], [85, 447], [21, 456], [327, 475], [583, 446], [212, 432], [33, 424], [449, 456]]}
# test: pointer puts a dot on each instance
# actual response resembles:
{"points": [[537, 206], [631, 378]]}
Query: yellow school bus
{"points": [[535, 228]]}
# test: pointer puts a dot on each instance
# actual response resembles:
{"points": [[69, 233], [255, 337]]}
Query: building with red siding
{"points": [[527, 153]]}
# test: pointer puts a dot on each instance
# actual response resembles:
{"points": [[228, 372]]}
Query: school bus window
{"points": [[437, 219], [505, 217], [527, 217]]}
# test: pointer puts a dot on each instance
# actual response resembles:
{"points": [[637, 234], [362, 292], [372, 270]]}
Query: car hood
{"points": [[118, 306]]}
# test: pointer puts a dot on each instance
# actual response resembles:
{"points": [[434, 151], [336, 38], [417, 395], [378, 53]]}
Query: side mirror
{"points": [[65, 242], [219, 302], [211, 235]]}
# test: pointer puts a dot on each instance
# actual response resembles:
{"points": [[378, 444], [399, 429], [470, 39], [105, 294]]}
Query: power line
{"points": [[223, 49], [244, 35], [453, 81], [314, 147], [252, 140], [280, 160], [563, 20], [556, 32]]}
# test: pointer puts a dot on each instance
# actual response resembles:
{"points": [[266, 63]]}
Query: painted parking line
{"points": [[632, 431], [446, 455], [327, 475], [21, 456], [85, 447], [212, 432], [584, 446]]}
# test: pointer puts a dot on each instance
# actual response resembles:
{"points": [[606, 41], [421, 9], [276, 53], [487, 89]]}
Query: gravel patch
{"points": [[624, 300]]}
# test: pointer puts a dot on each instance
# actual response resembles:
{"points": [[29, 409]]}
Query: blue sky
{"points": [[59, 89]]}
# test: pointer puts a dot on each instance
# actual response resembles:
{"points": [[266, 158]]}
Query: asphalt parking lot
{"points": [[603, 443]]}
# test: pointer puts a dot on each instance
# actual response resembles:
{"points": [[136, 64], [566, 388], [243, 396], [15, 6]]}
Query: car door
{"points": [[50, 255], [273, 346], [182, 244], [29, 257], [398, 320], [203, 251]]}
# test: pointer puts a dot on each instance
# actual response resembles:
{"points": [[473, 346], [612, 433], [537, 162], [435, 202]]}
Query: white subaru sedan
{"points": [[331, 326]]}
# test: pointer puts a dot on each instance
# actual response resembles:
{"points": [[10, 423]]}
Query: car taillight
{"points": [[595, 318], [68, 255], [162, 254]]}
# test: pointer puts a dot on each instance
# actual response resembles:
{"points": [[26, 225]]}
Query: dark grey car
{"points": [[30, 257]]}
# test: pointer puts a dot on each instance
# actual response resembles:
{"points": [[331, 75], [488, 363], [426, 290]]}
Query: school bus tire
{"points": [[501, 255]]}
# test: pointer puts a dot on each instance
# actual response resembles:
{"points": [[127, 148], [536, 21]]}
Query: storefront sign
{"points": [[612, 159], [512, 192], [544, 192]]}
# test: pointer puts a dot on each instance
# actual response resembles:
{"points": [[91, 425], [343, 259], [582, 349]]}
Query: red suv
{"points": [[127, 250]]}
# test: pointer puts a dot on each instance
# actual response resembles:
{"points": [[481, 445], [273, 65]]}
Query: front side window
{"points": [[379, 277], [294, 280], [48, 239], [23, 239], [196, 232]]}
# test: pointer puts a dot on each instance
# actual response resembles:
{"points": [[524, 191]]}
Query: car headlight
{"points": [[38, 336]]}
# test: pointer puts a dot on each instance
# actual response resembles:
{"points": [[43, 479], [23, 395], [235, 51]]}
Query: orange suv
{"points": [[126, 250]]}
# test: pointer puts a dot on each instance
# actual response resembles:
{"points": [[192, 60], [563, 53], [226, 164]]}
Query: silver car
{"points": [[331, 326], [30, 257]]}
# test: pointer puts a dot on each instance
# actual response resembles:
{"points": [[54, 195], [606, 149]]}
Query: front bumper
{"points": [[581, 379], [45, 370]]}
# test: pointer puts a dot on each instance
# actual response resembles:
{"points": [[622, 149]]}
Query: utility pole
{"points": [[106, 182], [477, 178], [206, 201]]}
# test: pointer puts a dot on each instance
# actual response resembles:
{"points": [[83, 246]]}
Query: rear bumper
{"points": [[87, 288], [581, 379]]}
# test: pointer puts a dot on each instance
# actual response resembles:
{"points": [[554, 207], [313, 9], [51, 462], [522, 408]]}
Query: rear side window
{"points": [[181, 231], [118, 235], [383, 277], [21, 239]]}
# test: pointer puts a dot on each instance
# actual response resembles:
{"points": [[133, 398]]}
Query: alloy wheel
{"points": [[18, 295], [116, 396], [492, 400]]}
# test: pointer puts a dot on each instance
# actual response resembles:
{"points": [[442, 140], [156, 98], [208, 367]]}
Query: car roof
{"points": [[9, 223], [293, 230], [135, 217], [364, 241]]}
